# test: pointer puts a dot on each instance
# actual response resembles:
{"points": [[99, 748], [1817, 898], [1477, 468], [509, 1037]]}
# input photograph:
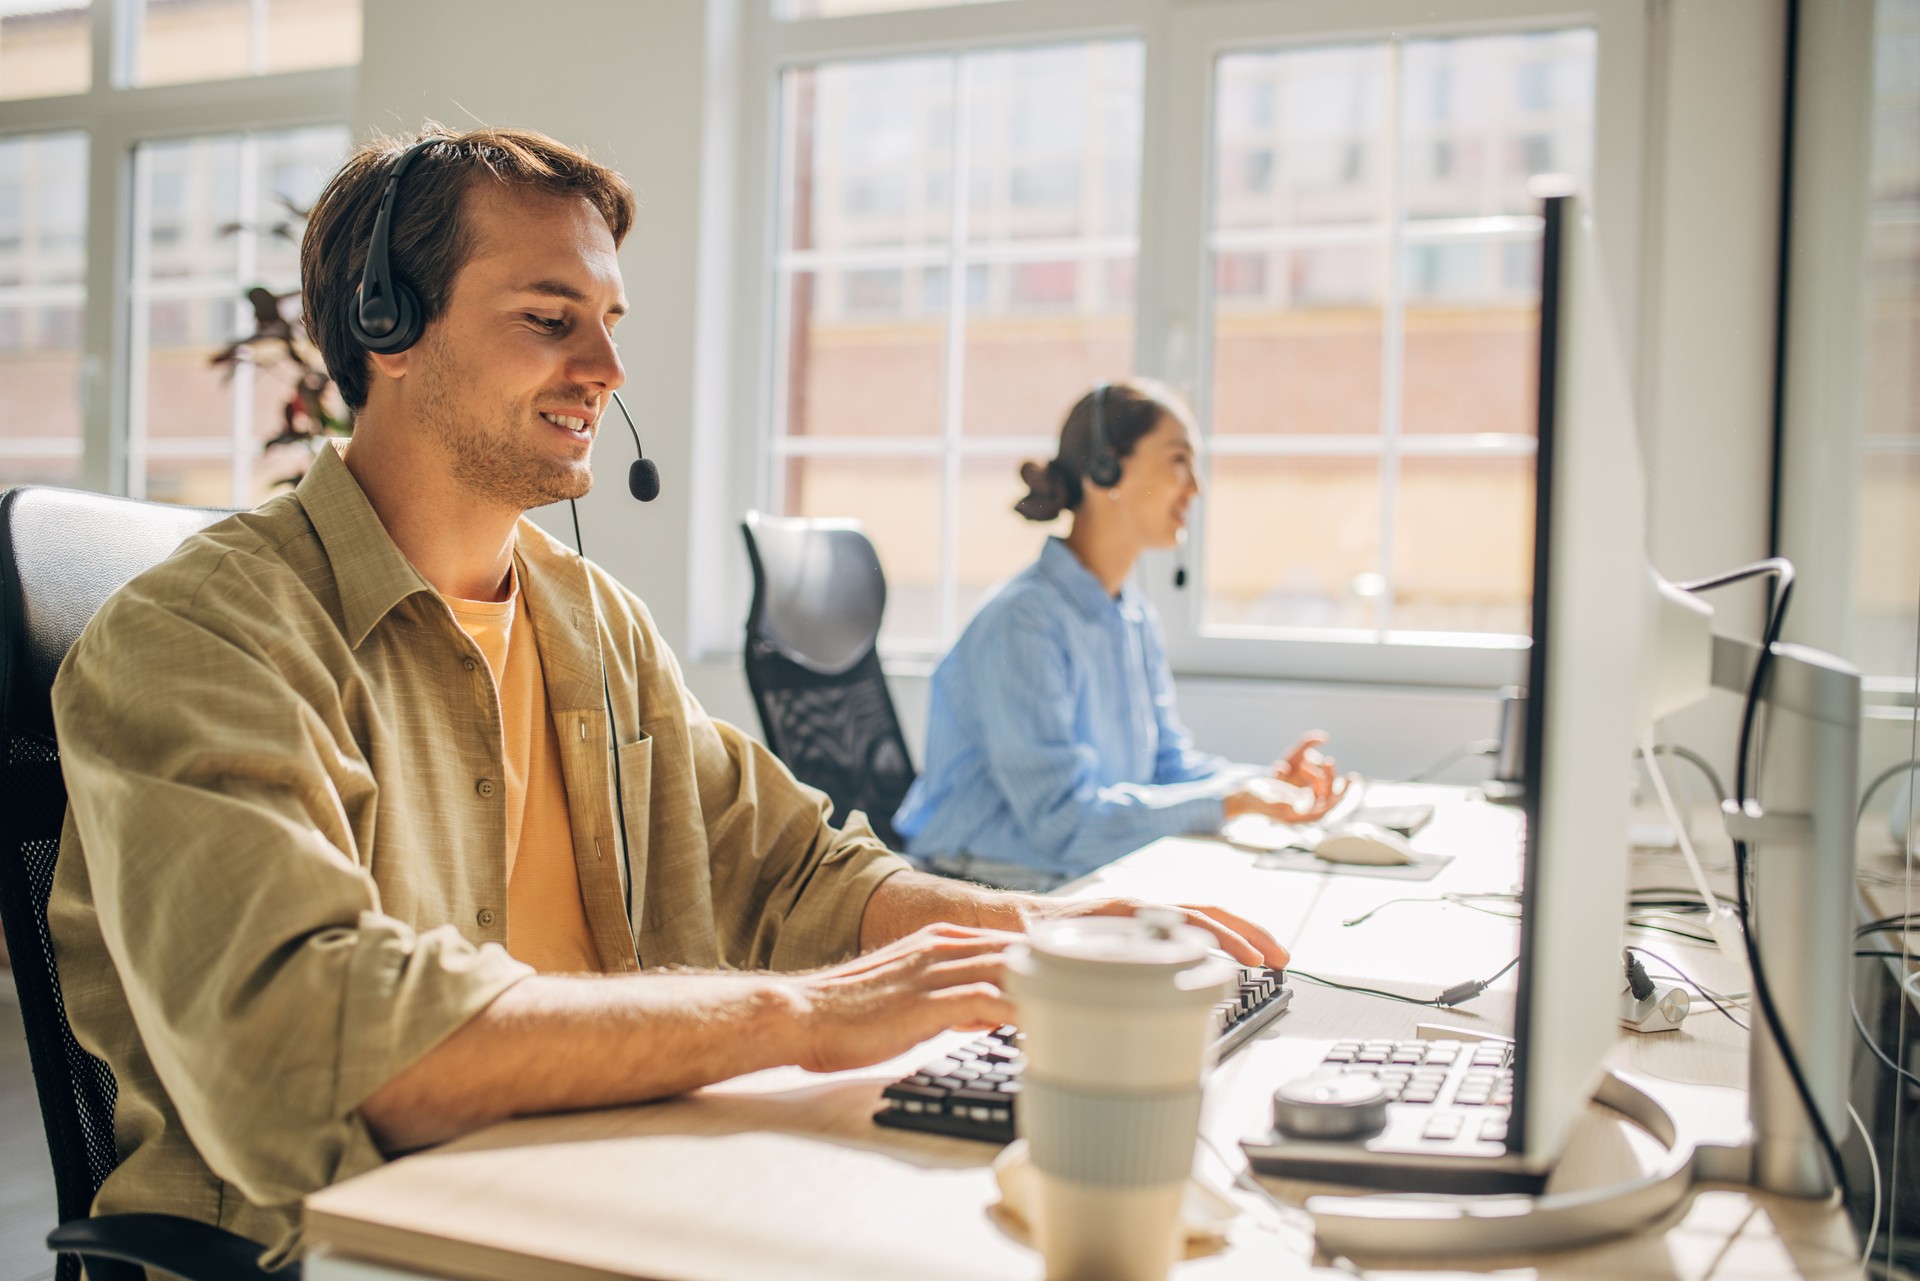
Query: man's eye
{"points": [[549, 323]]}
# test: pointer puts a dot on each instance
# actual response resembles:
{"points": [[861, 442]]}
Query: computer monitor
{"points": [[1584, 703], [1584, 709]]}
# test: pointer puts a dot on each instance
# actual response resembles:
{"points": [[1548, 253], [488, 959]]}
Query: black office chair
{"points": [[813, 664], [62, 554]]}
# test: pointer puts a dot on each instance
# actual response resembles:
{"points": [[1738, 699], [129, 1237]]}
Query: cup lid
{"points": [[1129, 957], [1159, 938]]}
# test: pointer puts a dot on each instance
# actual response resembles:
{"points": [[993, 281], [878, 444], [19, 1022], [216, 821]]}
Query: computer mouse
{"points": [[1364, 843]]}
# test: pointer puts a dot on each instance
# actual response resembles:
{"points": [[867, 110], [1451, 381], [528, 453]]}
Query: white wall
{"points": [[1706, 347], [649, 88], [627, 82]]}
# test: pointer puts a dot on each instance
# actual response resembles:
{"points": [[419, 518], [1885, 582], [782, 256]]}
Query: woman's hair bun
{"points": [[1047, 493]]}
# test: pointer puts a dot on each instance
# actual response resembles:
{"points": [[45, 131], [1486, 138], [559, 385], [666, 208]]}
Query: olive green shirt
{"points": [[284, 878]]}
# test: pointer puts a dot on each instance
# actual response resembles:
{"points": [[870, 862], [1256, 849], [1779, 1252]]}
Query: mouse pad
{"points": [[1424, 867], [1289, 848]]}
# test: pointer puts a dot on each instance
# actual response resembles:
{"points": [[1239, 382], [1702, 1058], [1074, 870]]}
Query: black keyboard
{"points": [[971, 1092]]}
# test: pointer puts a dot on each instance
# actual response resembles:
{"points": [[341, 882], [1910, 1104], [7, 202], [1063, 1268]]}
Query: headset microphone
{"points": [[643, 478], [1180, 565]]}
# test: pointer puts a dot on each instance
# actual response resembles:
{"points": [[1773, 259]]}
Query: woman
{"points": [[1054, 746]]}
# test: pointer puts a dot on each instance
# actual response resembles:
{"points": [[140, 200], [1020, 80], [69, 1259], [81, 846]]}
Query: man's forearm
{"points": [[551, 1044], [908, 900]]}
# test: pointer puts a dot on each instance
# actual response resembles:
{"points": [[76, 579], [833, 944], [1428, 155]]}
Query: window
{"points": [[43, 290], [1316, 228], [1373, 336], [46, 48], [181, 40], [133, 219], [898, 399], [213, 218]]}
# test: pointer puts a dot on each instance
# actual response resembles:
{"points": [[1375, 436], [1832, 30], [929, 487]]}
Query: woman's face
{"points": [[1156, 485]]}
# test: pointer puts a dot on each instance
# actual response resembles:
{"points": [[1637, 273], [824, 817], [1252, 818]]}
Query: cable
{"points": [[1291, 1217], [1899, 1096], [1458, 994], [1690, 982], [1781, 571], [1719, 918], [1478, 747], [1460, 898], [1873, 1163], [1880, 781], [1866, 1038], [1698, 761], [1690, 936]]}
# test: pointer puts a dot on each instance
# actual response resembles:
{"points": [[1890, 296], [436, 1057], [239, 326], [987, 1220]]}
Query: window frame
{"points": [[1181, 39], [117, 117]]}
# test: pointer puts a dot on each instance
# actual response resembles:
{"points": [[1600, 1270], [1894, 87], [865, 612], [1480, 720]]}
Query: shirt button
{"points": [[484, 916], [468, 663], [484, 787]]}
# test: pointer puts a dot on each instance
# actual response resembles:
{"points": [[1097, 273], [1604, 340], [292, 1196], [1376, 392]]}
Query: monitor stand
{"points": [[1454, 1227], [1802, 856]]}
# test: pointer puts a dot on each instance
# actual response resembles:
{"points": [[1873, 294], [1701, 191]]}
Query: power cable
{"points": [[1698, 761], [1458, 994], [1781, 572], [1880, 780], [1478, 747]]}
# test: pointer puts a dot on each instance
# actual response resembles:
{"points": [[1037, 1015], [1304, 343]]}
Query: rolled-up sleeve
{"points": [[209, 814]]}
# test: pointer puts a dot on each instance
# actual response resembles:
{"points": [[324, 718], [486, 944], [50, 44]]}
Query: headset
{"points": [[387, 316], [1103, 469], [1103, 465]]}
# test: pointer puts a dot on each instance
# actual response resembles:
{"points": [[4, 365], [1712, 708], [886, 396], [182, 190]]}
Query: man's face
{"points": [[512, 378]]}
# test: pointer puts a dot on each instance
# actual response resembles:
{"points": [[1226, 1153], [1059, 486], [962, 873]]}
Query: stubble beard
{"points": [[487, 450]]}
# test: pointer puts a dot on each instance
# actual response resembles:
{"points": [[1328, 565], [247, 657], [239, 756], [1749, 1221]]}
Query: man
{"points": [[356, 863]]}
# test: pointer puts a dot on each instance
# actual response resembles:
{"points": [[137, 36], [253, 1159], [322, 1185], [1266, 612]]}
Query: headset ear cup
{"points": [[1104, 469], [406, 325]]}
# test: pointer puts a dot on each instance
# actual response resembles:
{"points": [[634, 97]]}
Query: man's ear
{"points": [[393, 365]]}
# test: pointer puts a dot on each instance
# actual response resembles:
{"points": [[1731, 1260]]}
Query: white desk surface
{"points": [[784, 1174]]}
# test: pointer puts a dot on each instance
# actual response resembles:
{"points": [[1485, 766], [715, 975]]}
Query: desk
{"points": [[783, 1174]]}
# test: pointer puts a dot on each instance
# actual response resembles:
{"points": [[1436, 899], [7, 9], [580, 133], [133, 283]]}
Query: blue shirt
{"points": [[1053, 741]]}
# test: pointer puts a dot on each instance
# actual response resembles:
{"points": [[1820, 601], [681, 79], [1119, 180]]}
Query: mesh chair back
{"points": [[813, 664], [62, 554]]}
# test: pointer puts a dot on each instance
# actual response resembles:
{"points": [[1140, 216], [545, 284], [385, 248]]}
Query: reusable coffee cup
{"points": [[1116, 1012]]}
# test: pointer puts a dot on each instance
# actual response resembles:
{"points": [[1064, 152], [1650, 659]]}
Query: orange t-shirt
{"points": [[546, 920]]}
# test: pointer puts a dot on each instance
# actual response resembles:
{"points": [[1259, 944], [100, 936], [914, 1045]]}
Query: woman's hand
{"points": [[1305, 767]]}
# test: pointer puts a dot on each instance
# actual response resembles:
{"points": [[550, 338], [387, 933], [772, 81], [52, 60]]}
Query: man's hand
{"points": [[889, 1000], [1240, 938]]}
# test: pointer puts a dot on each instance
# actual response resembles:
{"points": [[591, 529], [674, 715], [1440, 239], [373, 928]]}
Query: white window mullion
{"points": [[246, 264], [1392, 343], [954, 406], [139, 329], [257, 37]]}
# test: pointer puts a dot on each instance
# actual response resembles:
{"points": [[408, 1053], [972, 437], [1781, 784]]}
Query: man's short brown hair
{"points": [[429, 240]]}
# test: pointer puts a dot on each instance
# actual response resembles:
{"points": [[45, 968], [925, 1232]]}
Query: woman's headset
{"points": [[1103, 465]]}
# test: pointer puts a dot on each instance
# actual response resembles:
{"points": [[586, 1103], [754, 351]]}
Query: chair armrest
{"points": [[188, 1248]]}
